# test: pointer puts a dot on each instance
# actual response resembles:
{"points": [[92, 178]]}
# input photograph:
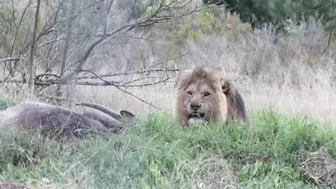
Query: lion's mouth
{"points": [[197, 115], [197, 118]]}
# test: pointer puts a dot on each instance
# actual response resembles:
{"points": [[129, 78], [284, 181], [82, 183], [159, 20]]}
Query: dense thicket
{"points": [[259, 12]]}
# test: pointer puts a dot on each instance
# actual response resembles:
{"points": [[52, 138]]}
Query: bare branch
{"points": [[126, 73], [84, 58], [167, 60], [9, 59], [144, 101], [52, 49], [100, 78], [147, 20], [117, 84], [38, 77], [138, 80], [146, 84], [18, 27], [125, 91]]}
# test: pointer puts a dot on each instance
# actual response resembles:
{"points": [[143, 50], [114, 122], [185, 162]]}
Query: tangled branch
{"points": [[38, 81]]}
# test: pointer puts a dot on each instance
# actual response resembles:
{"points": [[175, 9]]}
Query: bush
{"points": [[260, 12]]}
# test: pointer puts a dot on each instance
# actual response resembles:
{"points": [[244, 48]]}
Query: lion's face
{"points": [[200, 97], [199, 101]]}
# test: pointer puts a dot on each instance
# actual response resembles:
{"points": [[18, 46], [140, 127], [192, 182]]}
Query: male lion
{"points": [[205, 94]]}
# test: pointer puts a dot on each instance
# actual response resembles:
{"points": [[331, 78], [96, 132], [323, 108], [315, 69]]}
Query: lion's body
{"points": [[206, 95], [236, 107]]}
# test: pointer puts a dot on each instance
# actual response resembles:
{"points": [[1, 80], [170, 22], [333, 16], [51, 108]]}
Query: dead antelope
{"points": [[30, 114]]}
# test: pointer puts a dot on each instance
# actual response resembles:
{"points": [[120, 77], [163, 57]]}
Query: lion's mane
{"points": [[193, 88]]}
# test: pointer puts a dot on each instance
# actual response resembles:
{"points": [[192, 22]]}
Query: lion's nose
{"points": [[195, 106]]}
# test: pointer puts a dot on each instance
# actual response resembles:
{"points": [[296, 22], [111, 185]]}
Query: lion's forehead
{"points": [[204, 85], [209, 76]]}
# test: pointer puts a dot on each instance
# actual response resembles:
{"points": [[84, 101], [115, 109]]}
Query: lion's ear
{"points": [[218, 68], [183, 78], [198, 72], [236, 104], [226, 87]]}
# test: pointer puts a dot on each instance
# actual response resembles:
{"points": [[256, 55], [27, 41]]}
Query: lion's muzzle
{"points": [[195, 106], [196, 118]]}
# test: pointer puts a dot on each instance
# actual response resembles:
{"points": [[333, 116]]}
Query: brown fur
{"points": [[205, 94], [62, 121], [236, 104]]}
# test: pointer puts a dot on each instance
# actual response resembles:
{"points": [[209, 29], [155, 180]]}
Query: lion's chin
{"points": [[196, 121]]}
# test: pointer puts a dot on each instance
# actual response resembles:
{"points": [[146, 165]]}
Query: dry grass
{"points": [[292, 75], [314, 102], [319, 166]]}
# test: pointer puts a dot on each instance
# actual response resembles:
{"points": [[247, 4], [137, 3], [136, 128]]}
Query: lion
{"points": [[204, 95]]}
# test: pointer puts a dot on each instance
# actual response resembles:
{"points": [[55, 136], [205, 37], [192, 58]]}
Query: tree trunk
{"points": [[59, 91], [32, 50]]}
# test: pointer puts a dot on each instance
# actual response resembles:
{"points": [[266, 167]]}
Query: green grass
{"points": [[158, 154], [5, 103]]}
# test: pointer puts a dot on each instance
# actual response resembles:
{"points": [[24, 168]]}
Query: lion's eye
{"points": [[189, 93], [206, 94]]}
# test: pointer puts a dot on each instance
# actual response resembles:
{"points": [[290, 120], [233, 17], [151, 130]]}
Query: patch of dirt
{"points": [[320, 167]]}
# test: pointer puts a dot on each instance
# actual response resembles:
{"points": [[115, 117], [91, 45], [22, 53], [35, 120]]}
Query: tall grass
{"points": [[158, 154]]}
